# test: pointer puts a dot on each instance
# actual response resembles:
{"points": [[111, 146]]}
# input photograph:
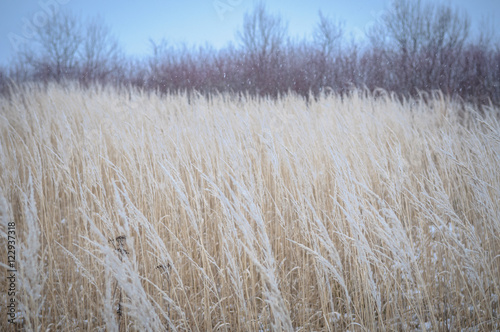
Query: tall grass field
{"points": [[127, 211]]}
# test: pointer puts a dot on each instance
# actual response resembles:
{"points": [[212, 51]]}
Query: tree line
{"points": [[414, 47]]}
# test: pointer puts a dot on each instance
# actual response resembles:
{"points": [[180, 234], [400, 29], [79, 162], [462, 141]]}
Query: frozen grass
{"points": [[145, 213]]}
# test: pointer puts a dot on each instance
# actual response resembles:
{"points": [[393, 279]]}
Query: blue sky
{"points": [[204, 21]]}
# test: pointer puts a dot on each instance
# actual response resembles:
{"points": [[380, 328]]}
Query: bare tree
{"points": [[327, 38], [64, 47], [100, 52], [56, 43], [328, 34], [262, 33], [418, 39], [487, 35], [263, 37]]}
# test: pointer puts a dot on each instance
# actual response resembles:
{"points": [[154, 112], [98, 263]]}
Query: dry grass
{"points": [[147, 213]]}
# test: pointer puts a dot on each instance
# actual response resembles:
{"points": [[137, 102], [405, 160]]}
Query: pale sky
{"points": [[197, 22]]}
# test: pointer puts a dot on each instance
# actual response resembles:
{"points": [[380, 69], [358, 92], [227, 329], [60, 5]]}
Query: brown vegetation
{"points": [[151, 212]]}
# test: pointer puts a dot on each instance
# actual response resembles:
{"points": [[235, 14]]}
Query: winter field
{"points": [[131, 211]]}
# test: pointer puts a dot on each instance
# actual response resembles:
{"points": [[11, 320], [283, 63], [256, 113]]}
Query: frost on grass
{"points": [[141, 212]]}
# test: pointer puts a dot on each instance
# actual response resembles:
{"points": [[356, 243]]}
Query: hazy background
{"points": [[208, 21]]}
